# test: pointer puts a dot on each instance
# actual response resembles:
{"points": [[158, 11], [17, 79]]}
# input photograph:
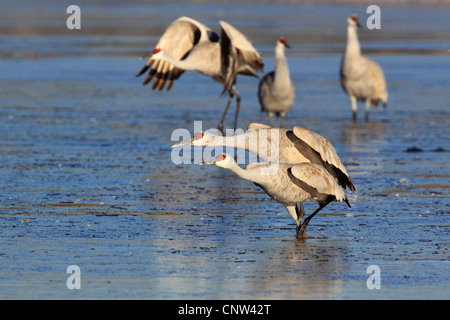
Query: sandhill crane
{"points": [[276, 91], [190, 45], [290, 185], [360, 77], [294, 146]]}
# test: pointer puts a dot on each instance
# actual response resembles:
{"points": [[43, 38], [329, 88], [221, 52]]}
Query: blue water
{"points": [[85, 156]]}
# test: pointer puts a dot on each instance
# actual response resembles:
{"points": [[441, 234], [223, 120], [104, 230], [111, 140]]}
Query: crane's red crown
{"points": [[221, 157], [354, 18], [156, 51], [198, 135]]}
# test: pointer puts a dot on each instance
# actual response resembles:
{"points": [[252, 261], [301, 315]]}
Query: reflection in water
{"points": [[300, 269], [363, 137], [198, 259]]}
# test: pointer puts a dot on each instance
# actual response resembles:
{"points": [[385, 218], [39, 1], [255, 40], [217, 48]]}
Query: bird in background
{"points": [[276, 90], [290, 185], [190, 45], [296, 145], [361, 78]]}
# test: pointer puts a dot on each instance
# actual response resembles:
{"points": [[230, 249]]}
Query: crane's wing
{"points": [[316, 180], [327, 153], [264, 89], [256, 126], [376, 81], [237, 55], [178, 40]]}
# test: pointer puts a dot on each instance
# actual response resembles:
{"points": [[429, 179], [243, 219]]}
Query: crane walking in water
{"points": [[281, 145], [360, 77], [190, 45], [276, 90], [290, 185]]}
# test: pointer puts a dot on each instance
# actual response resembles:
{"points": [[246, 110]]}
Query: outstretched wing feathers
{"points": [[178, 40], [238, 55], [228, 60], [246, 51]]}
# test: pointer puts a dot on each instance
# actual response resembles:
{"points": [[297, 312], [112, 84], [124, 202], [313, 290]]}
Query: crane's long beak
{"points": [[145, 57], [208, 162], [287, 45], [183, 143], [358, 25]]}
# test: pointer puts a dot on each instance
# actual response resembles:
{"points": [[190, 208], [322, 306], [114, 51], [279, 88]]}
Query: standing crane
{"points": [[360, 77], [190, 45], [281, 146], [276, 90], [290, 185]]}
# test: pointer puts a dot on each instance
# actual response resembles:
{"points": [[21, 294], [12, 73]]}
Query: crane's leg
{"points": [[270, 118], [300, 214], [293, 211], [354, 107], [282, 115], [238, 102], [297, 213], [220, 127], [301, 230], [367, 109]]}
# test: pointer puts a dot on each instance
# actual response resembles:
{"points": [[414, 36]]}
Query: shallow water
{"points": [[87, 177]]}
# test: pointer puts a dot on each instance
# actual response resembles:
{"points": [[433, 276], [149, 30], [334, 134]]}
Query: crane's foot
{"points": [[301, 234]]}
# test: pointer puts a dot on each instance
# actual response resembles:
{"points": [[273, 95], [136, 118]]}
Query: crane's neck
{"points": [[281, 76], [240, 141], [353, 48], [250, 175], [255, 141]]}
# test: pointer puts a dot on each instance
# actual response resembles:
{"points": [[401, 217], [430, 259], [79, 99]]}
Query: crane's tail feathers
{"points": [[375, 102], [346, 181], [348, 203]]}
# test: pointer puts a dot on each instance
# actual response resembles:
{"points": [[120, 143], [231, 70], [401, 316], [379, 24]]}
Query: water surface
{"points": [[87, 177]]}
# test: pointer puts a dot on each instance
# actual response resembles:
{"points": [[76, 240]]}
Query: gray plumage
{"points": [[290, 185], [276, 90], [361, 78], [190, 45], [281, 145]]}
